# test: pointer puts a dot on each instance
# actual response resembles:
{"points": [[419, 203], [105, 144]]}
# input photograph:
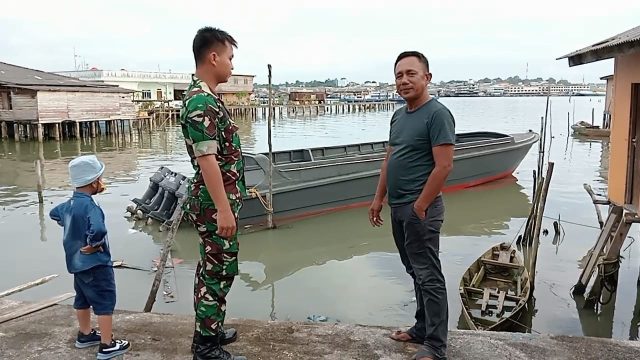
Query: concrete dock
{"points": [[50, 333]]}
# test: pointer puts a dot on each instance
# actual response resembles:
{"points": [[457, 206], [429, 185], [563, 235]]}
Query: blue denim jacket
{"points": [[83, 223]]}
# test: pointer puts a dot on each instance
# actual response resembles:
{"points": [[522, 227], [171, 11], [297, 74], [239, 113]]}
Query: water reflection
{"points": [[343, 235], [596, 323]]}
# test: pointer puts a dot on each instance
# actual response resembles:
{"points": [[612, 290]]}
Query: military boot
{"points": [[210, 348], [228, 336]]}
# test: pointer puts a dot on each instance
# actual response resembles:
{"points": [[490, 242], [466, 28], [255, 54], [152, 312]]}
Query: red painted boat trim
{"points": [[477, 182]]}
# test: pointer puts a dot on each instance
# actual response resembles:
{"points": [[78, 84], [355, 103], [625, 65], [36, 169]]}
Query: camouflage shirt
{"points": [[209, 130]]}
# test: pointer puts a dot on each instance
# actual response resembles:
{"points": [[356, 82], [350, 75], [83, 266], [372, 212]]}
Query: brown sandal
{"points": [[404, 336]]}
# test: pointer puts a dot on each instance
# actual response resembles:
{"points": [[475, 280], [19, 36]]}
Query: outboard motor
{"points": [[154, 185], [170, 185]]}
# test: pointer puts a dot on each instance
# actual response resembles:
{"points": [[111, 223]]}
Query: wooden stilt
{"points": [[3, 130], [56, 131], [39, 181], [40, 131]]}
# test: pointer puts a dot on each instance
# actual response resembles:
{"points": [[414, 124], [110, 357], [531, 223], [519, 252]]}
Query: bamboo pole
{"points": [[539, 215], [28, 285], [165, 254], [269, 121]]}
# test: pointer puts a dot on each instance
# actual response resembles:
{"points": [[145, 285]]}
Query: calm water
{"points": [[335, 265]]}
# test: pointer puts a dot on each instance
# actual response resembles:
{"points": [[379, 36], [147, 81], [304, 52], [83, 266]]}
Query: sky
{"points": [[317, 40]]}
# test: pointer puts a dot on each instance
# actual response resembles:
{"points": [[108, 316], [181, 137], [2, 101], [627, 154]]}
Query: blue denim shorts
{"points": [[95, 288]]}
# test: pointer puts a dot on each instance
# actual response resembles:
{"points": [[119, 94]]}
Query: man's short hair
{"points": [[209, 37], [416, 54]]}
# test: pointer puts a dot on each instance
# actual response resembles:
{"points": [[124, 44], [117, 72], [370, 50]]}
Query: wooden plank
{"points": [[501, 297], [613, 250], [485, 299], [614, 216], [498, 263], [33, 307], [28, 285], [500, 279], [478, 277], [492, 294], [596, 202]]}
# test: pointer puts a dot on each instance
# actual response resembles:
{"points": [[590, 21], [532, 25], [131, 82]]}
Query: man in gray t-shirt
{"points": [[418, 162]]}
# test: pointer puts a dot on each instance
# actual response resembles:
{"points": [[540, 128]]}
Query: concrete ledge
{"points": [[50, 334]]}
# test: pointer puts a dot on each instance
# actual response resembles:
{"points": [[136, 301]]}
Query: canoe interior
{"points": [[494, 288]]}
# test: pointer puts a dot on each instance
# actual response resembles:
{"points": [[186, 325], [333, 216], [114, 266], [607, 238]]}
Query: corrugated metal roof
{"points": [[73, 88], [18, 76], [620, 39]]}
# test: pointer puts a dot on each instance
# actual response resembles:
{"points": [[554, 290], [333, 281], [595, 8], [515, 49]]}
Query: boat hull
{"points": [[587, 130], [355, 181]]}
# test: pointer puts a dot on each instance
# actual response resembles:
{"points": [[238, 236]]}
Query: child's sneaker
{"points": [[116, 348], [85, 341]]}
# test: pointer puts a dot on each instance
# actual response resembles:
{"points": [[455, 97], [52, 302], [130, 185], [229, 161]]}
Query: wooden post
{"points": [[77, 130], [4, 130], [593, 118], [93, 129], [269, 121], [568, 123], [16, 132], [39, 182], [56, 132]]}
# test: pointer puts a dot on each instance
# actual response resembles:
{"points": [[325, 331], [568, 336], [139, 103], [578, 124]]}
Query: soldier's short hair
{"points": [[416, 54], [209, 37]]}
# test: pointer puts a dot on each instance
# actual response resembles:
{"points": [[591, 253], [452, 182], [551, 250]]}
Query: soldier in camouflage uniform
{"points": [[215, 194]]}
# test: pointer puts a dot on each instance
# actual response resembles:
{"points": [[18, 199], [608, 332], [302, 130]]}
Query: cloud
{"points": [[317, 40]]}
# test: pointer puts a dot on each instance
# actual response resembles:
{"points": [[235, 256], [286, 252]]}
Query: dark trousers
{"points": [[418, 243]]}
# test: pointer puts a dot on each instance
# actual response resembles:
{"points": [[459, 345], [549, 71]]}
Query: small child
{"points": [[88, 257]]}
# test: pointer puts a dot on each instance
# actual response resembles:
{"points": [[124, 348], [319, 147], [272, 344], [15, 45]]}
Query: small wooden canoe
{"points": [[495, 289], [583, 128]]}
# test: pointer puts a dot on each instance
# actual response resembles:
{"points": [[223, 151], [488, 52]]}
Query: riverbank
{"points": [[160, 336]]}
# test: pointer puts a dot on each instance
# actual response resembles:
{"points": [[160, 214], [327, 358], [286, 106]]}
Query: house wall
{"points": [[236, 99], [608, 102], [56, 106], [626, 73], [24, 105], [237, 84]]}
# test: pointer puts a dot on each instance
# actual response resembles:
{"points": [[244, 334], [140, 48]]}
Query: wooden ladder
{"points": [[607, 249]]}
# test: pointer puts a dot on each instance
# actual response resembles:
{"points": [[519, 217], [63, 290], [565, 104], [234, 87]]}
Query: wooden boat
{"points": [[583, 128], [495, 289]]}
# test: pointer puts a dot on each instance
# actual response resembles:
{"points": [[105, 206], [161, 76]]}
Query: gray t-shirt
{"points": [[412, 135]]}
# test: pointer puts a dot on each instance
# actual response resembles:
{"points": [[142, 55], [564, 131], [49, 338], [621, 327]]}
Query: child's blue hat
{"points": [[84, 170]]}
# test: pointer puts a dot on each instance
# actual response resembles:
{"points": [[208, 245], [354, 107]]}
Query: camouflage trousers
{"points": [[215, 272]]}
